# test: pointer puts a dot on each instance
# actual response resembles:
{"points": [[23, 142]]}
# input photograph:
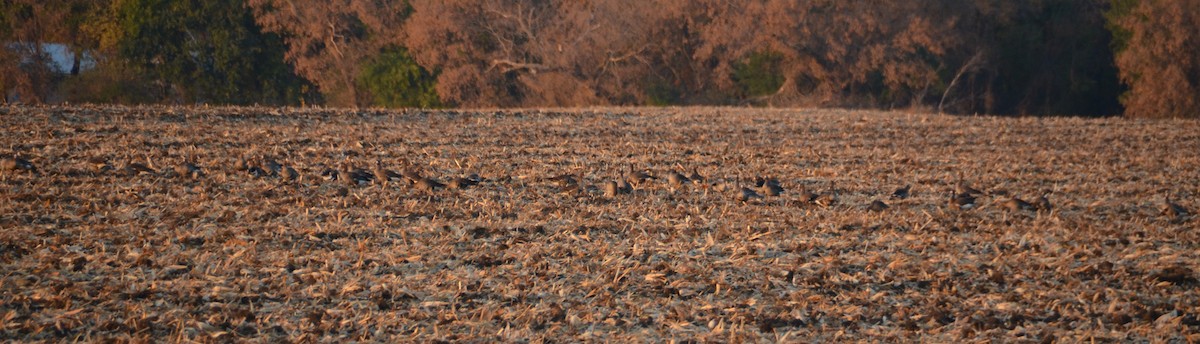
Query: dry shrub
{"points": [[1161, 59]]}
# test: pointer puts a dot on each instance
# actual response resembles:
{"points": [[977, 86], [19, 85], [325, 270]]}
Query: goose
{"points": [[1043, 203], [382, 175], [272, 167], [289, 174], [961, 200], [1014, 204], [806, 196], [611, 189], [1172, 209], [428, 185], [637, 177], [963, 188], [877, 206], [99, 164], [746, 194], [676, 179], [188, 170], [133, 169], [15, 163], [695, 177]]}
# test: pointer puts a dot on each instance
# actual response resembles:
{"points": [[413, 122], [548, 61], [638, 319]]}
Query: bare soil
{"points": [[95, 247]]}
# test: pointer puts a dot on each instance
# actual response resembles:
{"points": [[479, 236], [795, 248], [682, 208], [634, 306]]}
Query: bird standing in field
{"points": [[805, 196], [134, 168], [877, 206], [16, 163], [770, 187], [1043, 203], [902, 193], [964, 188], [188, 170], [695, 177], [563, 180], [1014, 204], [636, 178], [99, 164], [382, 175], [256, 171], [745, 194], [428, 185], [676, 179], [355, 176], [289, 174], [611, 189], [828, 198], [1172, 209], [961, 200], [411, 174], [459, 183], [272, 167]]}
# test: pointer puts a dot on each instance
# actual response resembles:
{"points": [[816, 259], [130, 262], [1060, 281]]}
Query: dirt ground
{"points": [[107, 234]]}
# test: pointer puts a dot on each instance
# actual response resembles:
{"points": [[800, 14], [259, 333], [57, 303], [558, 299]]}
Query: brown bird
{"points": [[382, 175], [272, 167], [676, 179], [760, 181], [15, 163], [902, 193], [577, 188], [1014, 204], [458, 183], [963, 188], [623, 187], [747, 194], [961, 200], [695, 177], [356, 176], [563, 180], [241, 164], [637, 177], [611, 189], [826, 200], [771, 189], [256, 171], [411, 174], [328, 173], [289, 174], [428, 185], [1043, 203], [877, 206], [806, 196], [1172, 209], [188, 170], [133, 169], [99, 164]]}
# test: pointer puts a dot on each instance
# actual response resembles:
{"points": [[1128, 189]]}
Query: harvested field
{"points": [[108, 235]]}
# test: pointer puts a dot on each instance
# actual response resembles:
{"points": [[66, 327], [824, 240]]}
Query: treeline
{"points": [[1060, 57]]}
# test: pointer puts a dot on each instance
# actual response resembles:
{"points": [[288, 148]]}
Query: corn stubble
{"points": [[214, 224]]}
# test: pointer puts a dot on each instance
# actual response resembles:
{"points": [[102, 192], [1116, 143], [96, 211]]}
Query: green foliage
{"points": [[662, 93], [208, 51], [1120, 35], [394, 79], [760, 74], [1053, 57], [112, 82]]}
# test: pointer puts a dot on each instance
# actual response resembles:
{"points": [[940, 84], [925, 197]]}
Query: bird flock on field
{"points": [[961, 197]]}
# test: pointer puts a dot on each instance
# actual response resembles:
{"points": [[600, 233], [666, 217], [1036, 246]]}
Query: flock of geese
{"points": [[961, 197]]}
